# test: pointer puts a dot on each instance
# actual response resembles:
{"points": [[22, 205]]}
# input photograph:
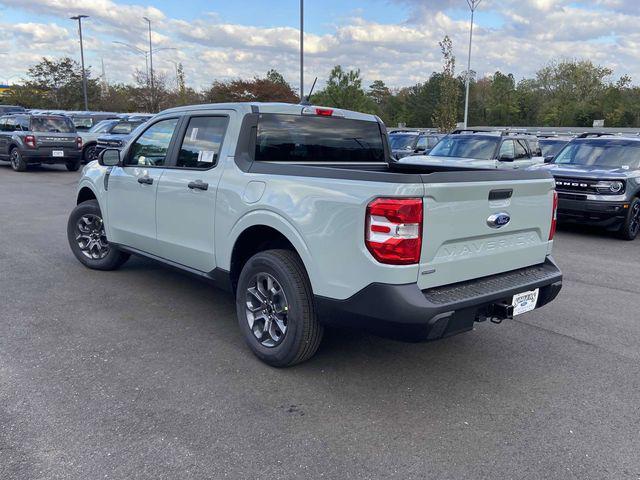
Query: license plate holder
{"points": [[525, 302], [57, 153]]}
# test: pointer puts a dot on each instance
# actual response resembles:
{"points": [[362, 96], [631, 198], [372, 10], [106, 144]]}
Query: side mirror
{"points": [[506, 158], [109, 157], [548, 159], [420, 149]]}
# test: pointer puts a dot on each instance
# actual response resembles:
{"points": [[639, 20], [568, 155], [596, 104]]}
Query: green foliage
{"points": [[563, 93], [344, 90]]}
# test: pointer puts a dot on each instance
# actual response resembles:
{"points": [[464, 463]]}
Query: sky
{"points": [[392, 40]]}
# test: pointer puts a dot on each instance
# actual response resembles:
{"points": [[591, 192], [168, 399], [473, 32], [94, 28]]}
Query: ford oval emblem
{"points": [[498, 220]]}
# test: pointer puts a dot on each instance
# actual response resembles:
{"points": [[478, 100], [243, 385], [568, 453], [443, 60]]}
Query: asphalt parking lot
{"points": [[142, 374]]}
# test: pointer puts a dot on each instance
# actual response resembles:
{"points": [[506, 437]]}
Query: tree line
{"points": [[563, 93]]}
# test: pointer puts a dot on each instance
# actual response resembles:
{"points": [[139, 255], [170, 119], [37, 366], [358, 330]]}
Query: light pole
{"points": [[473, 4], [301, 51], [84, 73], [151, 64], [175, 64], [138, 50]]}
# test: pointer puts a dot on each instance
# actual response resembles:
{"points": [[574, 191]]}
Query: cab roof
{"points": [[273, 107]]}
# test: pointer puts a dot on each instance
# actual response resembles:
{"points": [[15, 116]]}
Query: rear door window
{"points": [[24, 123], [507, 150], [423, 142], [316, 139], [202, 142]]}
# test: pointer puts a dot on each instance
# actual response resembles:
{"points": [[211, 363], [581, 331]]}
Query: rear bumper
{"points": [[408, 313], [45, 155], [591, 212]]}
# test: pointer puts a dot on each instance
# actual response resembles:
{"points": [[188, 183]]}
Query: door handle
{"points": [[198, 185], [145, 180]]}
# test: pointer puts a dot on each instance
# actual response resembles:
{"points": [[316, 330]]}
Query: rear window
{"points": [[299, 138], [52, 124]]}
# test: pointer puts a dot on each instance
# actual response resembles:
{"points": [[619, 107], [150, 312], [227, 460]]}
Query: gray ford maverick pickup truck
{"points": [[298, 212]]}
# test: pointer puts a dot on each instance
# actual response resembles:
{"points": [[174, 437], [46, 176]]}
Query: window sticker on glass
{"points": [[206, 156]]}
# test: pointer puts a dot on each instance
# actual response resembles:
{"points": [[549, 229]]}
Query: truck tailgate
{"points": [[462, 240]]}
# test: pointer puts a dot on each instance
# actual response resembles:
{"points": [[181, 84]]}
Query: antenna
{"points": [[306, 101]]}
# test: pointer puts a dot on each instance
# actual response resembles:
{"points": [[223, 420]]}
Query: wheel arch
{"points": [[84, 194], [263, 232]]}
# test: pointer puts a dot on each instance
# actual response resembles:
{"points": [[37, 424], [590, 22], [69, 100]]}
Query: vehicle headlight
{"points": [[614, 187]]}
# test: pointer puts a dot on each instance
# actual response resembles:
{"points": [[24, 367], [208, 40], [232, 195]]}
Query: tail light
{"points": [[30, 141], [394, 230], [322, 112], [554, 216], [79, 142]]}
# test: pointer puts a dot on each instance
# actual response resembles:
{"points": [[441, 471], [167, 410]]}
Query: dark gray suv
{"points": [[36, 139], [598, 182]]}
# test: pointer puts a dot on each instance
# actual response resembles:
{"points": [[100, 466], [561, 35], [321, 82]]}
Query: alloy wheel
{"points": [[15, 159], [91, 237], [266, 309], [91, 153]]}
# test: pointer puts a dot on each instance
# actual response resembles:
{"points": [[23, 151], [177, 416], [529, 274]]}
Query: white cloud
{"points": [[520, 37]]}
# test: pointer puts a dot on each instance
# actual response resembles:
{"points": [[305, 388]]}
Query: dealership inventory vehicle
{"points": [[296, 210], [480, 149], [412, 142], [551, 145], [117, 131], [11, 109], [84, 121], [598, 182], [27, 139]]}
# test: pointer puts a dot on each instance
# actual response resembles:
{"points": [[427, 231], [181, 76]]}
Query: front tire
{"points": [[631, 226], [90, 154], [88, 240], [17, 162], [275, 309]]}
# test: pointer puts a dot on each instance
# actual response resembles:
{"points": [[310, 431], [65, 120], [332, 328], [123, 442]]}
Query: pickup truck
{"points": [[297, 211]]}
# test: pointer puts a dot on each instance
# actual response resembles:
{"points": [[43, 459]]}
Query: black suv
{"points": [[36, 139], [598, 182]]}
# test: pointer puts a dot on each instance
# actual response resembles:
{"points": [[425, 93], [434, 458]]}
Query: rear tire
{"points": [[631, 226], [73, 166], [88, 241], [262, 318], [17, 162]]}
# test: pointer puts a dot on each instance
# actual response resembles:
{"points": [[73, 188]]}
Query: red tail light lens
{"points": [[324, 112], [394, 230], [79, 142], [30, 141], [554, 216]]}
